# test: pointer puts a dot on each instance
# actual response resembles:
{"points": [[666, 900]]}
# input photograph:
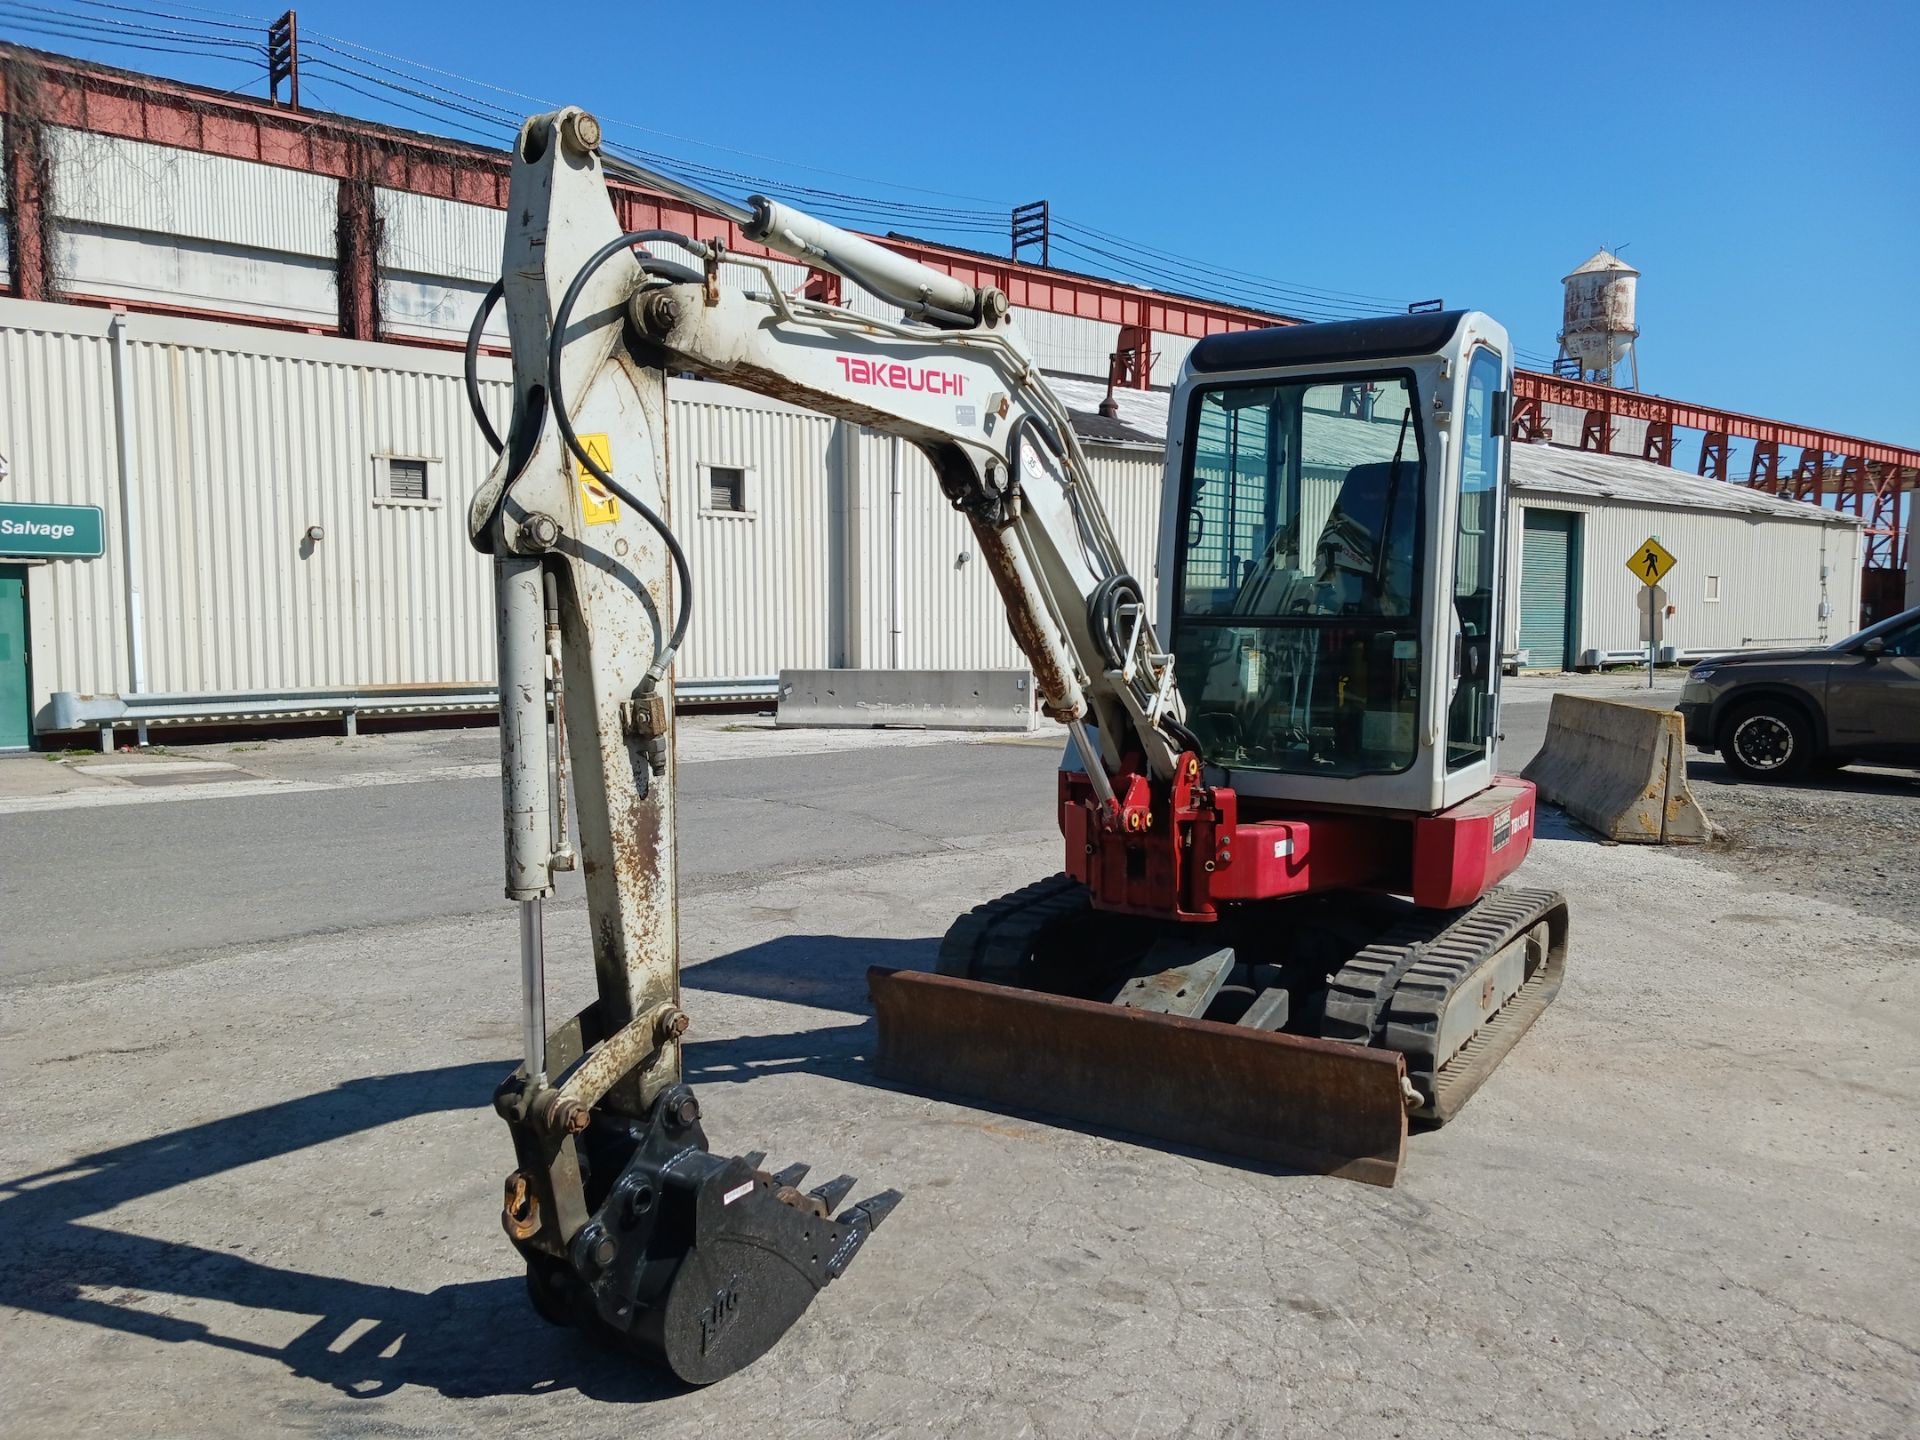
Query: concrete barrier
{"points": [[1620, 769], [933, 699]]}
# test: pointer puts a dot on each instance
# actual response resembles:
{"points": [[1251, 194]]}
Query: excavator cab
{"points": [[1329, 558]]}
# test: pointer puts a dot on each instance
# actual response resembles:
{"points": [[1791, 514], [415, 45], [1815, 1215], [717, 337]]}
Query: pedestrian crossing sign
{"points": [[1650, 562]]}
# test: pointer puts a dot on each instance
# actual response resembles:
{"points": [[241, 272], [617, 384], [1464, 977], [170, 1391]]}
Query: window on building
{"points": [[403, 480], [406, 479], [726, 490], [1713, 587]]}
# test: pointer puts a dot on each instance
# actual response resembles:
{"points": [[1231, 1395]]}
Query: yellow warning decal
{"points": [[598, 505]]}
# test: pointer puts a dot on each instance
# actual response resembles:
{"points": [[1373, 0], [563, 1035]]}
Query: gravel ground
{"points": [[1848, 837]]}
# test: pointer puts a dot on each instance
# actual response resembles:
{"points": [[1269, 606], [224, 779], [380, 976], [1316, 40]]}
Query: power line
{"points": [[1187, 261], [36, 27], [635, 126], [147, 14], [341, 62], [1163, 277]]}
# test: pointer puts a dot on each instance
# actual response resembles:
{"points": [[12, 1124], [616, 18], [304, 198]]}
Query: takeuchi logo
{"points": [[921, 378]]}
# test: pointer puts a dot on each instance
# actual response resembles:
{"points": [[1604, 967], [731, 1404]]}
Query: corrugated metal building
{"points": [[1753, 571], [243, 444]]}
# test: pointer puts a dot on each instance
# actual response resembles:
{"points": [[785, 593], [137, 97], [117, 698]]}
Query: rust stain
{"points": [[1034, 642]]}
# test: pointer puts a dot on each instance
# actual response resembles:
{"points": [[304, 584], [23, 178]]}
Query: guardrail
{"points": [[106, 714], [933, 699]]}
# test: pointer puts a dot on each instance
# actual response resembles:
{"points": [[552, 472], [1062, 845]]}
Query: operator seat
{"points": [[1373, 508]]}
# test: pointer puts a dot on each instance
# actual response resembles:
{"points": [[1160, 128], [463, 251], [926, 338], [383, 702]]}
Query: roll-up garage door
{"points": [[1546, 566]]}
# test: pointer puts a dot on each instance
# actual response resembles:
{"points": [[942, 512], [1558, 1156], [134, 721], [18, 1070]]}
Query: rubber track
{"points": [[992, 942], [1393, 992]]}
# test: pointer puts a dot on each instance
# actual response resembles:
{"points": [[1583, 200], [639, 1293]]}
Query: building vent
{"points": [[406, 479], [727, 489]]}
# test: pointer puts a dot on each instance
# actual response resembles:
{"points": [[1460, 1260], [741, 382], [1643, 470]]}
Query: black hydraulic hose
{"points": [[556, 395], [487, 302], [1103, 615], [666, 269], [1103, 619], [1188, 741], [670, 270]]}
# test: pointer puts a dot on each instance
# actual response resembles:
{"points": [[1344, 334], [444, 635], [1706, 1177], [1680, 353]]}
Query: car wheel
{"points": [[1767, 740]]}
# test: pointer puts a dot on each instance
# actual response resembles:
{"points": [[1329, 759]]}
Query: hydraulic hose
{"points": [[556, 394], [487, 302], [1103, 619]]}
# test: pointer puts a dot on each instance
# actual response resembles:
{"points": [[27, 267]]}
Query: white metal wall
{"points": [[1565, 422], [56, 430], [762, 584], [1769, 569], [244, 438]]}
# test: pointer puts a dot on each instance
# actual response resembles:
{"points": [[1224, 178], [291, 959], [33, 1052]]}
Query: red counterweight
{"points": [[1184, 852]]}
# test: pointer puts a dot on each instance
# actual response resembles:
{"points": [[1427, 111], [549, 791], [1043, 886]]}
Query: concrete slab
{"points": [[41, 776], [258, 1193], [153, 765]]}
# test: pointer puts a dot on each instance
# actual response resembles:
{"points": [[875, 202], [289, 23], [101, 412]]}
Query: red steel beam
{"points": [[141, 107], [1634, 405], [134, 106]]}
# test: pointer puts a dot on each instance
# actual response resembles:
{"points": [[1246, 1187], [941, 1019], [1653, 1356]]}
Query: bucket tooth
{"points": [[857, 1223], [834, 1191], [792, 1175]]}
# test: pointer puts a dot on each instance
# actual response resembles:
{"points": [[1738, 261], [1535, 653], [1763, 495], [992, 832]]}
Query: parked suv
{"points": [[1773, 713]]}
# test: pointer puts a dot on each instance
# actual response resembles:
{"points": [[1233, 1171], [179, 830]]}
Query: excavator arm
{"points": [[628, 1223]]}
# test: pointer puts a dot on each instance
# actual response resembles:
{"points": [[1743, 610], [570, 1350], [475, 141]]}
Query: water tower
{"points": [[1598, 324]]}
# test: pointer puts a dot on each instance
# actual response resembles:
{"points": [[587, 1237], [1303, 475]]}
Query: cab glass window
{"points": [[1475, 560], [1297, 633]]}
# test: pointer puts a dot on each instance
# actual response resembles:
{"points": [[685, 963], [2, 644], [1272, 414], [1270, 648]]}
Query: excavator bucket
{"points": [[1318, 1106], [698, 1262]]}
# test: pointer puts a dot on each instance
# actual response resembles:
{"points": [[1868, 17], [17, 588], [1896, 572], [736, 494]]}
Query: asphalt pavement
{"points": [[250, 1183]]}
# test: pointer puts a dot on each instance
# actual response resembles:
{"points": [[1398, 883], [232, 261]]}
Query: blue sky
{"points": [[1760, 161]]}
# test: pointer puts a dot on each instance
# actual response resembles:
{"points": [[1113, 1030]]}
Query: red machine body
{"points": [[1198, 848]]}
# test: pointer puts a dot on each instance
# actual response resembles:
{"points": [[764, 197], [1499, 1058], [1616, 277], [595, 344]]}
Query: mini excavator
{"points": [[1279, 931]]}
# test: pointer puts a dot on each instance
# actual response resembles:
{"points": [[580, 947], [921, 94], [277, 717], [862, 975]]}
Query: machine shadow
{"points": [[466, 1340], [829, 971], [1550, 822], [1854, 780], [826, 972]]}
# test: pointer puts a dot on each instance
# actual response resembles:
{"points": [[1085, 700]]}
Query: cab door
{"points": [[1471, 666]]}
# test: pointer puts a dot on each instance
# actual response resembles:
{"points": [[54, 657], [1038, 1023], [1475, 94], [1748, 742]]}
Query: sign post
{"points": [[70, 532], [1650, 564]]}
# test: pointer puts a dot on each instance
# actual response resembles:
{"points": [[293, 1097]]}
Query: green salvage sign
{"points": [[69, 530]]}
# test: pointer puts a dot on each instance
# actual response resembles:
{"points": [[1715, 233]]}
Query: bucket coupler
{"points": [[635, 1230]]}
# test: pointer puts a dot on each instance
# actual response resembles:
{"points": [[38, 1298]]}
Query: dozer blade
{"points": [[1305, 1104]]}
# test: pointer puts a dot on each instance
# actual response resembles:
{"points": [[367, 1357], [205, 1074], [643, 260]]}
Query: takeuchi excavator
{"points": [[1279, 931]]}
